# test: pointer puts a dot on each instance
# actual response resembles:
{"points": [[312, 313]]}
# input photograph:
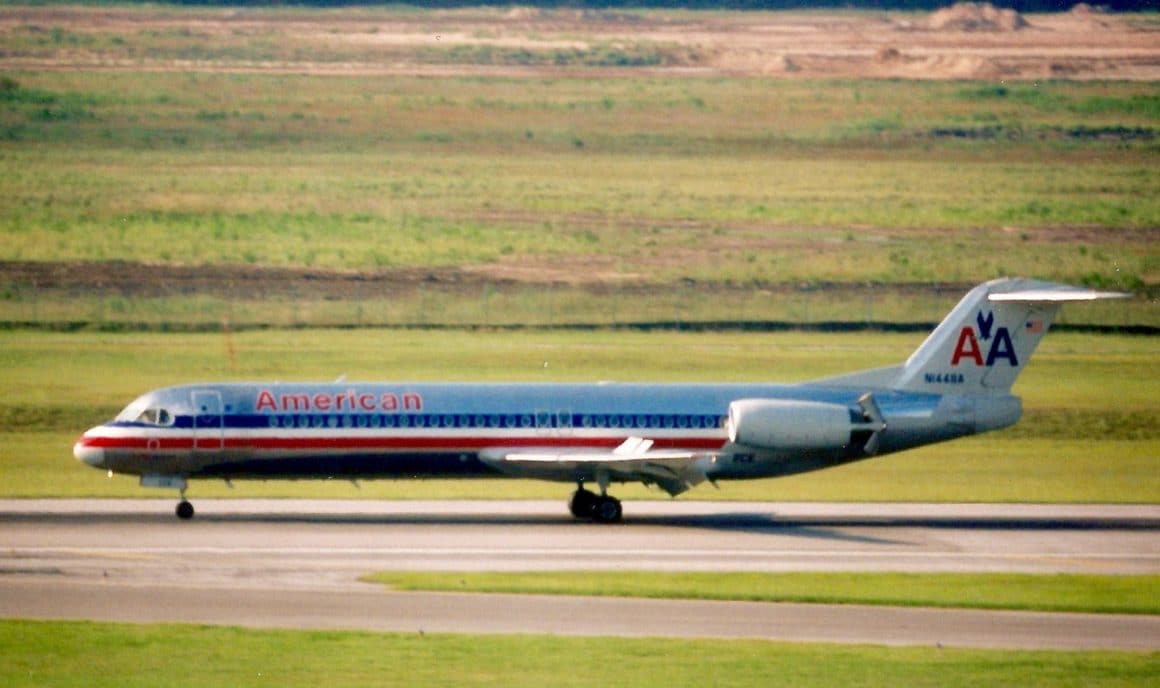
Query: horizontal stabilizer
{"points": [[1054, 293]]}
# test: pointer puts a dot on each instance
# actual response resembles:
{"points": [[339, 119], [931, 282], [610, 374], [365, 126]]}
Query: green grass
{"points": [[786, 217], [1090, 434], [91, 654], [688, 181], [477, 206], [742, 179], [510, 305], [1053, 593], [640, 178]]}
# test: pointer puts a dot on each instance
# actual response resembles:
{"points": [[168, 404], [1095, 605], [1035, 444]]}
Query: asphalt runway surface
{"points": [[296, 563]]}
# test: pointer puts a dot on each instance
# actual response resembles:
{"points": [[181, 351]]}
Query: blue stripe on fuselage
{"points": [[532, 405]]}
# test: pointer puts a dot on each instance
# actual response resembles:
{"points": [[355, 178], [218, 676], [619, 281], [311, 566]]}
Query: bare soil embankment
{"points": [[245, 282], [967, 41]]}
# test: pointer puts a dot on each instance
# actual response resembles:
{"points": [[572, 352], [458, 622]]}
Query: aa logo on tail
{"points": [[997, 340]]}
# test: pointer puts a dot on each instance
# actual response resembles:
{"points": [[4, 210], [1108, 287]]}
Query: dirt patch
{"points": [[144, 280], [975, 16], [255, 283], [966, 41]]}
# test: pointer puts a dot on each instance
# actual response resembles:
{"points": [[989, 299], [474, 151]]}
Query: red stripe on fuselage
{"points": [[137, 442], [382, 443]]}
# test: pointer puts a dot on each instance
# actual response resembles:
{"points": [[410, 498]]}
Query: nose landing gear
{"points": [[184, 509]]}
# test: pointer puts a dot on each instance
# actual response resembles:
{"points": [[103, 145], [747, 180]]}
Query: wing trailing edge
{"points": [[634, 460]]}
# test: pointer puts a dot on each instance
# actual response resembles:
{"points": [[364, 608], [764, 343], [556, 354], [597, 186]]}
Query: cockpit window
{"points": [[142, 411], [155, 416]]}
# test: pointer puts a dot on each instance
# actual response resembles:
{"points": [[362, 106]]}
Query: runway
{"points": [[294, 563]]}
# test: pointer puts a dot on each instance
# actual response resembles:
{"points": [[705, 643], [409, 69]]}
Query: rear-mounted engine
{"points": [[777, 424]]}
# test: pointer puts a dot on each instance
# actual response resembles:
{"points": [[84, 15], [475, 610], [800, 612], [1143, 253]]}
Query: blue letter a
{"points": [[1002, 348]]}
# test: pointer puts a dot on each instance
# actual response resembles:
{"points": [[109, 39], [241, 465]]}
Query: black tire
{"points": [[607, 510], [582, 504], [184, 510]]}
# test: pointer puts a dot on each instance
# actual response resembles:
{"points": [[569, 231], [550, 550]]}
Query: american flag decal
{"points": [[1035, 326]]}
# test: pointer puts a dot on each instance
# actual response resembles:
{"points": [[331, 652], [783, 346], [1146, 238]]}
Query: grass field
{"points": [[151, 177], [1056, 593], [196, 149], [697, 184], [90, 654], [571, 187], [1089, 434]]}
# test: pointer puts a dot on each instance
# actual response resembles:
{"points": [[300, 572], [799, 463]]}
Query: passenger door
{"points": [[208, 425]]}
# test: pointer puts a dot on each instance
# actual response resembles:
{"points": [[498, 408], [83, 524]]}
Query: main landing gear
{"points": [[600, 508], [184, 509]]}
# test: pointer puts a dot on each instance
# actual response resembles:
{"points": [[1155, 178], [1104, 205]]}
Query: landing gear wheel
{"points": [[184, 510], [607, 510], [583, 503]]}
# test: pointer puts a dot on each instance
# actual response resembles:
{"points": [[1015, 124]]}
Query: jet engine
{"points": [[782, 424]]}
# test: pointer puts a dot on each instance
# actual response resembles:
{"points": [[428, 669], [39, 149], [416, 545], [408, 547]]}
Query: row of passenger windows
{"points": [[527, 420]]}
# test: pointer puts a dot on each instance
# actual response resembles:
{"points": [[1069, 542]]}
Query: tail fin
{"points": [[983, 344]]}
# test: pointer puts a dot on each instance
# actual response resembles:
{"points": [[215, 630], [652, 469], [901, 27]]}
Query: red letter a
{"points": [[968, 347], [265, 401]]}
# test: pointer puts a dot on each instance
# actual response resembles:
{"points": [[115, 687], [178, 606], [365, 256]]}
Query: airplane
{"points": [[672, 436]]}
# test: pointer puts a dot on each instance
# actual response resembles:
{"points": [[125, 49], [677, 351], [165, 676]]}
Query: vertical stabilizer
{"points": [[988, 338]]}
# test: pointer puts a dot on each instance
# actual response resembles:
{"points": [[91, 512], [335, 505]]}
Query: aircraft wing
{"points": [[674, 471]]}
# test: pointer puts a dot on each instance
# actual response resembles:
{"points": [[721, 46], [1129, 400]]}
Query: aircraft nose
{"points": [[84, 451]]}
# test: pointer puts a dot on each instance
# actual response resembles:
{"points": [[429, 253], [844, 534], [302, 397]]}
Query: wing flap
{"points": [[674, 470]]}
